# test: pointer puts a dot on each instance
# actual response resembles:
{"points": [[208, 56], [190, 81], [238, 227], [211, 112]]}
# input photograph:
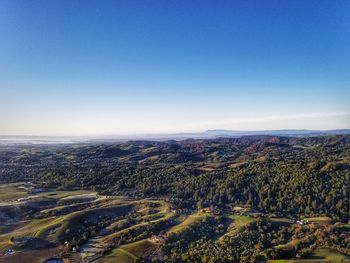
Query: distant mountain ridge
{"points": [[208, 134], [283, 132]]}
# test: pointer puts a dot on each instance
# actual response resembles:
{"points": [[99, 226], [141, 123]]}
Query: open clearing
{"points": [[118, 255], [11, 192], [321, 255], [236, 223], [331, 255], [319, 220], [189, 220], [129, 253]]}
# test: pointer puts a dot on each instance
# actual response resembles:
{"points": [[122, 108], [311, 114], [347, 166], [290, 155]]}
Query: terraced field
{"points": [[131, 252], [59, 222], [37, 224]]}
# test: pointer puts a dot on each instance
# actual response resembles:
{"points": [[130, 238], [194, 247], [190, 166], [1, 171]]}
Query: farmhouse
{"points": [[157, 238]]}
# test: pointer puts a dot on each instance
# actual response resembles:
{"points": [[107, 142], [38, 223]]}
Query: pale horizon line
{"points": [[131, 135], [201, 127]]}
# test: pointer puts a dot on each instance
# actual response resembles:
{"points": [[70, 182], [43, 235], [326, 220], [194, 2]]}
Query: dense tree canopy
{"points": [[273, 174]]}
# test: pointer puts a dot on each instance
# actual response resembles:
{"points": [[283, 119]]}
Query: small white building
{"points": [[157, 238]]}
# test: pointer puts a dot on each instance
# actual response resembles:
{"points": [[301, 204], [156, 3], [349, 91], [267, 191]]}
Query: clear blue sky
{"points": [[115, 67]]}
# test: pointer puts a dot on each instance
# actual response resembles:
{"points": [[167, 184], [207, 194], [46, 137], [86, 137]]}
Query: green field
{"points": [[187, 221], [331, 255], [291, 245], [240, 221], [322, 255], [129, 253], [11, 192], [320, 219], [118, 255], [237, 222]]}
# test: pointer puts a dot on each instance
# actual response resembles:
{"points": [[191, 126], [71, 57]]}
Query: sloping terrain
{"points": [[253, 198]]}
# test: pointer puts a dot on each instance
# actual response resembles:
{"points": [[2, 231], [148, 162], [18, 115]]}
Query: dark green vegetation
{"points": [[224, 200]]}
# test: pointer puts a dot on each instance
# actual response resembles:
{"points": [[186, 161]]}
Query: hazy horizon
{"points": [[85, 68], [210, 133]]}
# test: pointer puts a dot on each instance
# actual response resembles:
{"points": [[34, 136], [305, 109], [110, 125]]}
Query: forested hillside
{"points": [[291, 176], [249, 199]]}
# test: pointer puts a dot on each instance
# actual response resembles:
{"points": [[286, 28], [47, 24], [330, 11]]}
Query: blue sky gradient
{"points": [[116, 67]]}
